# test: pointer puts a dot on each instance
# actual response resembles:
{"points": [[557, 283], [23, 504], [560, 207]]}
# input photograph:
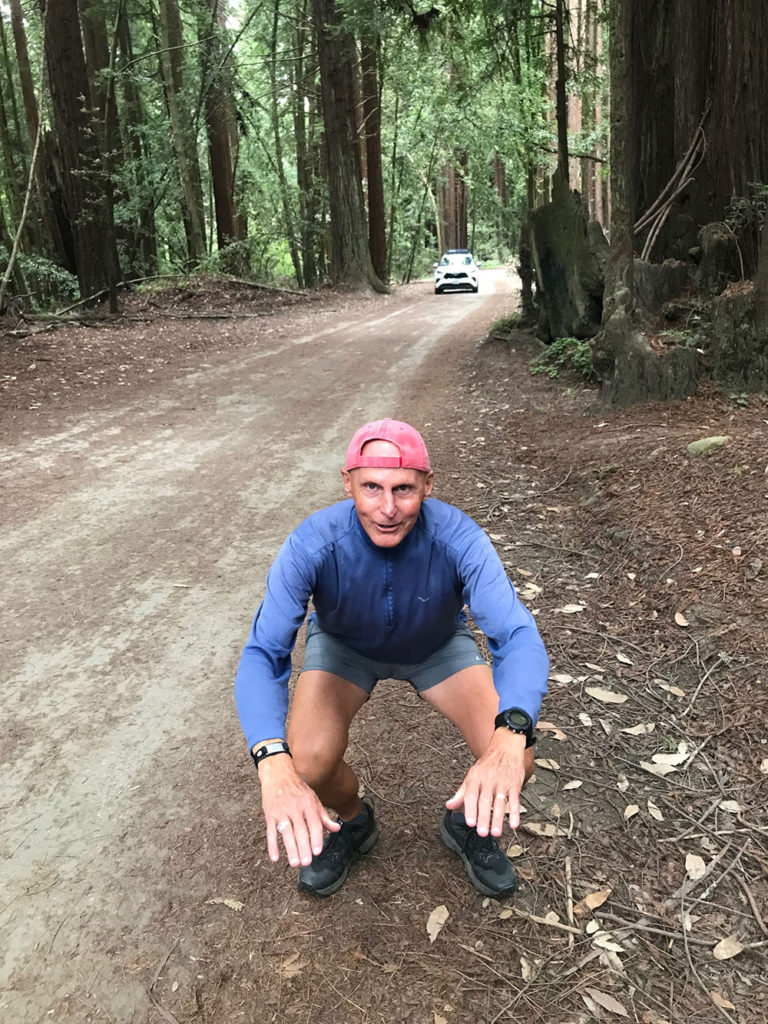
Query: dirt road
{"points": [[135, 546]]}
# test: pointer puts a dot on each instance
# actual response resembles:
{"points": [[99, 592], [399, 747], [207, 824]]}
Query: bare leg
{"points": [[469, 700], [318, 732]]}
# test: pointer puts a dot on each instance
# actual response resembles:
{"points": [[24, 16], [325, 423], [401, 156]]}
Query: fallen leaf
{"points": [[632, 576], [592, 927], [525, 968], [439, 1019], [524, 572], [557, 733], [622, 783], [591, 902], [515, 850], [543, 828], [561, 677], [547, 762], [630, 811], [658, 769], [764, 766], [606, 696], [675, 759], [641, 729], [573, 784], [606, 941], [552, 917], [592, 576], [292, 966], [670, 689], [505, 914], [681, 620], [624, 659], [732, 806], [695, 867], [607, 726], [719, 1000], [594, 668], [607, 1002], [436, 920], [586, 720], [570, 609], [726, 948], [654, 811], [688, 920], [227, 902]]}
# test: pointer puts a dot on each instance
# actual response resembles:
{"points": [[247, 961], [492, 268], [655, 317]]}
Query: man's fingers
{"points": [[498, 810], [273, 848], [514, 811], [457, 799], [484, 811], [289, 842]]}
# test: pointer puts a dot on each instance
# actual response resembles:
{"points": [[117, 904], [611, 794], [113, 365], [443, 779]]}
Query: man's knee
{"points": [[316, 760]]}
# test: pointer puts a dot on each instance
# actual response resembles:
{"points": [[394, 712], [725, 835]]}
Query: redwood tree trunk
{"points": [[182, 129], [377, 218], [350, 257], [85, 189], [697, 61], [218, 117]]}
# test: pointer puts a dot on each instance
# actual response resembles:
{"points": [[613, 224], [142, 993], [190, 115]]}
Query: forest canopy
{"points": [[618, 153]]}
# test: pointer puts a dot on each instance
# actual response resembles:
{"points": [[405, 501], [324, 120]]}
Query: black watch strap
{"points": [[517, 721], [268, 750]]}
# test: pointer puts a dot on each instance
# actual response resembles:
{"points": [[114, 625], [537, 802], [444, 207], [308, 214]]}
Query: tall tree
{"points": [[86, 195], [350, 256], [699, 63], [183, 128], [377, 218], [218, 118]]}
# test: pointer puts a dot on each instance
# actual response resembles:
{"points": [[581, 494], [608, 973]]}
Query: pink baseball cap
{"points": [[413, 451]]}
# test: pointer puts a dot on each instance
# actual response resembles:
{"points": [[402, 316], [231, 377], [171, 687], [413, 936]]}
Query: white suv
{"points": [[456, 269]]}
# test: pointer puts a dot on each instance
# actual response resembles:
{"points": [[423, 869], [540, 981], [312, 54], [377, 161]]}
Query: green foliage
{"points": [[50, 285], [572, 354], [506, 325]]}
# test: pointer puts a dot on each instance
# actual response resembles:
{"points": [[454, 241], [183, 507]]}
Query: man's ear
{"points": [[428, 481], [347, 481]]}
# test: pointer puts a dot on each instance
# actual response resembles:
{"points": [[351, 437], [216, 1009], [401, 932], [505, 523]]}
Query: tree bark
{"points": [[377, 218], [285, 197], [53, 244], [303, 92], [143, 236], [350, 256], [561, 102], [82, 164], [218, 118], [182, 129]]}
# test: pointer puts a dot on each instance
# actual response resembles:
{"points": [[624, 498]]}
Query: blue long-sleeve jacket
{"points": [[392, 604]]}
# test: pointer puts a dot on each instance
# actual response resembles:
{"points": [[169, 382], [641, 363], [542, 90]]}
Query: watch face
{"points": [[518, 718]]}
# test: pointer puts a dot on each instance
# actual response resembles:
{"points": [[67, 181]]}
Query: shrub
{"points": [[572, 354]]}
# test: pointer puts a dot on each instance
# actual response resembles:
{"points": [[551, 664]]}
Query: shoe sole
{"points": [[329, 890], [486, 890]]}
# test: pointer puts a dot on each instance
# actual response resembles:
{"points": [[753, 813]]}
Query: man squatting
{"points": [[389, 571]]}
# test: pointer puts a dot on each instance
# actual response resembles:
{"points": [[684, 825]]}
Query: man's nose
{"points": [[389, 504]]}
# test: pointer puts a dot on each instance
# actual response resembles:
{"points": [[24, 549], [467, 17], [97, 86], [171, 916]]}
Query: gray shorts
{"points": [[325, 653]]}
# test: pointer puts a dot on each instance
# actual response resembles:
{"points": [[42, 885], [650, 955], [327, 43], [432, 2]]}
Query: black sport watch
{"points": [[516, 720]]}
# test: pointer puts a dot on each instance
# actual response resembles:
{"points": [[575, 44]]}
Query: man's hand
{"points": [[292, 811], [492, 785]]}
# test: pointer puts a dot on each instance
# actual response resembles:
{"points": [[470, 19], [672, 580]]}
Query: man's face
{"points": [[387, 501]]}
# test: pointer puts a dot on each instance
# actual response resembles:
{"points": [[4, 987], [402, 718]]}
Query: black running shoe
{"points": [[329, 869], [489, 870]]}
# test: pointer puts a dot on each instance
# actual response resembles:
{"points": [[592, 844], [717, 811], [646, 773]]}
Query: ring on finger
{"points": [[501, 796], [283, 825]]}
